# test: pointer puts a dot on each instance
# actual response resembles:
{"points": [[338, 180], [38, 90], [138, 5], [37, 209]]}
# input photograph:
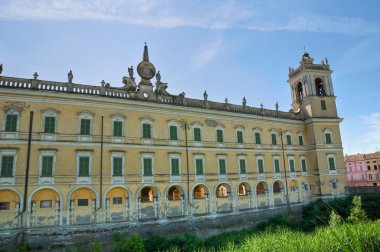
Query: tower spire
{"points": [[145, 55]]}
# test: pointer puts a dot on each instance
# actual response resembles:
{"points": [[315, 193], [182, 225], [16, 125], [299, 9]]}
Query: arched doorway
{"points": [[10, 207], [45, 207], [148, 203], [174, 201], [117, 204], [294, 193], [201, 200], [262, 194], [224, 198], [279, 194], [83, 206], [244, 196]]}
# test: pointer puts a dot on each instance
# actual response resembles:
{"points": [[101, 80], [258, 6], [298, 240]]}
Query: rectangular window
{"points": [[219, 136], [117, 200], [274, 139], [370, 176], [239, 136], [148, 167], [331, 163], [173, 133], [260, 164], [82, 202], [84, 166], [323, 104], [11, 123], [291, 164], [222, 166], [47, 166], [175, 166], [117, 128], [277, 166], [288, 139], [258, 138], [303, 165], [243, 168], [199, 166], [197, 134], [7, 166], [147, 130], [5, 206], [49, 124], [300, 138], [117, 166], [46, 204], [85, 126], [328, 138]]}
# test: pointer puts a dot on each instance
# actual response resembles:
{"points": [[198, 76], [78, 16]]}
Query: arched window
{"points": [[199, 192], [277, 187], [261, 188], [174, 193], [147, 194], [299, 90], [319, 87], [221, 191]]}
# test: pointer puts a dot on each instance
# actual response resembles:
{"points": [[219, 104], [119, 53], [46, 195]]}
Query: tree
{"points": [[335, 219], [357, 214]]}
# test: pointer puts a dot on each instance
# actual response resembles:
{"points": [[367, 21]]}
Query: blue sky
{"points": [[229, 48]]}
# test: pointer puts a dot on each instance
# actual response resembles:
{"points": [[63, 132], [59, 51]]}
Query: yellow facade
{"points": [[148, 187]]}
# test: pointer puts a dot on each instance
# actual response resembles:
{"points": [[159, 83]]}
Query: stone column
{"points": [[126, 209], [33, 214], [56, 213], [93, 214], [72, 213]]}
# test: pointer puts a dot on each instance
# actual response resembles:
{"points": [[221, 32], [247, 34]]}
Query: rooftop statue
{"points": [[70, 77], [205, 96], [158, 76], [276, 106], [1, 68], [35, 75], [161, 88], [244, 101], [129, 83], [130, 72], [226, 100], [182, 95]]}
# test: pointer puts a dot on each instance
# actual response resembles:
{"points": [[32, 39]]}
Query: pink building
{"points": [[363, 169]]}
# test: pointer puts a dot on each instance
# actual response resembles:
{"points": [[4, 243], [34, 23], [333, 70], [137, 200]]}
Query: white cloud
{"points": [[206, 54], [371, 137], [170, 13]]}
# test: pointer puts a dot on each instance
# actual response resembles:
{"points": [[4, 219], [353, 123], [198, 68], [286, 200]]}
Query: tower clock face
{"points": [[146, 70]]}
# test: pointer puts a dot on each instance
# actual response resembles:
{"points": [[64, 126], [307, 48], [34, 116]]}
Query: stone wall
{"points": [[202, 226]]}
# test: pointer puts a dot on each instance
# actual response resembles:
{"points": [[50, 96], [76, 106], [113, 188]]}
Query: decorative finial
{"points": [[244, 101], [35, 75], [205, 95], [1, 68], [158, 76], [70, 77], [102, 83], [145, 55]]}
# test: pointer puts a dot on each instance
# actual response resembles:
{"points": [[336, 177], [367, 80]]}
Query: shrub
{"points": [[357, 214], [335, 219], [131, 244]]}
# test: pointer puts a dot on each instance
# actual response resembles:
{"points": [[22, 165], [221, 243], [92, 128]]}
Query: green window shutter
{"points": [[239, 136], [243, 168], [328, 138], [222, 166], [288, 139], [11, 123], [148, 167], [173, 133], [147, 130], [84, 166], [277, 165], [175, 166], [47, 166], [260, 163], [274, 139], [300, 138], [291, 164], [117, 128], [49, 124], [303, 163], [331, 163], [7, 166], [197, 134], [199, 166], [85, 126], [117, 166], [219, 136], [323, 104], [258, 138]]}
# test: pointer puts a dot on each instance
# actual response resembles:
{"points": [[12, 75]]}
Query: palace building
{"points": [[75, 154]]}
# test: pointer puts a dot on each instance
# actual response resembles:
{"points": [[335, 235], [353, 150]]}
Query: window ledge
{"points": [[175, 178], [304, 173], [277, 175], [222, 177], [333, 172], [197, 143], [147, 141], [200, 177], [117, 179], [292, 174], [10, 135], [243, 176], [84, 138], [116, 139], [7, 180], [261, 176], [173, 142], [83, 179], [240, 145], [220, 145], [48, 136], [46, 180], [148, 178]]}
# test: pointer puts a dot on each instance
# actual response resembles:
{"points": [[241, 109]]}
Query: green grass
{"points": [[356, 237]]}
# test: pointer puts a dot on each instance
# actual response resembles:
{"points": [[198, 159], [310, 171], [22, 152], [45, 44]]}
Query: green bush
{"points": [[131, 244], [357, 214], [23, 247]]}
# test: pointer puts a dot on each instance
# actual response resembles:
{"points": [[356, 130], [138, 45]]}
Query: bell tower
{"points": [[312, 89], [313, 95]]}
